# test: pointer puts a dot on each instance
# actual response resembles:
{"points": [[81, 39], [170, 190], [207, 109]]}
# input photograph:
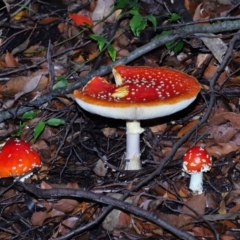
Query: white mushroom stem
{"points": [[133, 145], [196, 182]]}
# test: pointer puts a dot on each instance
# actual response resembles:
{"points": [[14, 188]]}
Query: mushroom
{"points": [[17, 158], [196, 161], [139, 93]]}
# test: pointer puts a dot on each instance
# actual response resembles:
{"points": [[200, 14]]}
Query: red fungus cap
{"points": [[139, 93], [196, 159], [17, 158]]}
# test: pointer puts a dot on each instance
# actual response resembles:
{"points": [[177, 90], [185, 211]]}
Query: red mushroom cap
{"points": [[139, 93], [196, 159], [17, 158]]}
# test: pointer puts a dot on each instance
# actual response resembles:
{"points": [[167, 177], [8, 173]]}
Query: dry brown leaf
{"points": [[103, 9], [234, 209], [222, 207], [31, 51], [202, 232], [230, 224], [215, 45], [200, 13], [158, 128], [16, 84], [117, 219], [30, 85], [21, 47], [48, 20], [222, 133], [73, 185], [65, 205], [220, 149], [108, 132], [186, 128], [233, 197], [201, 58], [10, 60], [227, 237], [55, 213], [67, 225], [45, 185], [211, 70], [100, 169], [225, 117], [38, 218], [198, 203]]}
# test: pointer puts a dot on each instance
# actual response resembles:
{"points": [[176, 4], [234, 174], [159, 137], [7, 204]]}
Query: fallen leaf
{"points": [[10, 60], [38, 218], [67, 225], [81, 20]]}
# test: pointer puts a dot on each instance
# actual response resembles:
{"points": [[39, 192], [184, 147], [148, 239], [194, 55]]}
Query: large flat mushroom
{"points": [[139, 93]]}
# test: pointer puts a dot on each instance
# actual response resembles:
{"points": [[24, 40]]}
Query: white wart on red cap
{"points": [[139, 93]]}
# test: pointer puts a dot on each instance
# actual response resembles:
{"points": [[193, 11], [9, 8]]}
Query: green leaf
{"points": [[137, 24], [55, 122], [98, 38], [38, 130], [153, 20], [127, 4], [134, 12], [19, 131], [165, 33], [174, 17], [178, 48], [61, 82], [112, 52], [101, 41], [29, 115], [121, 4]]}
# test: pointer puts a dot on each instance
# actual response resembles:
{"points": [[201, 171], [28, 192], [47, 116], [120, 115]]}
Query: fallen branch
{"points": [[181, 32], [115, 203]]}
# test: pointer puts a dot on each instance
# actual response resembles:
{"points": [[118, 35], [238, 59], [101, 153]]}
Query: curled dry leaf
{"points": [[17, 84], [102, 10], [223, 133], [117, 219], [100, 169], [220, 149], [10, 60], [202, 232], [108, 132], [45, 185], [38, 218], [201, 59], [211, 70], [225, 117], [67, 225], [186, 128]]}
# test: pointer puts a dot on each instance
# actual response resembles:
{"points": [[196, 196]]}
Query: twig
{"points": [[124, 206], [155, 43]]}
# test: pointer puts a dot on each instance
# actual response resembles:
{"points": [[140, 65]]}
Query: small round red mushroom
{"points": [[196, 161], [139, 93], [17, 158]]}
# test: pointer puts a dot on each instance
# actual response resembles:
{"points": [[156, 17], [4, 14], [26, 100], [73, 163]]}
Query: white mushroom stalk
{"points": [[139, 93], [133, 145]]}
